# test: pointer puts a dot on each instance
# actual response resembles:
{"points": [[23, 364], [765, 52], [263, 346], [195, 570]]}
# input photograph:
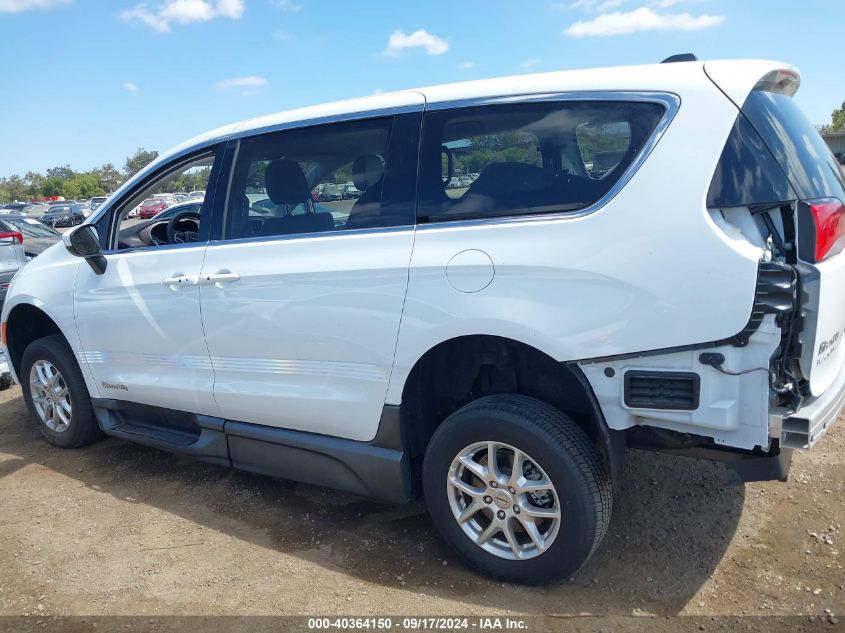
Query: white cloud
{"points": [[233, 9], [18, 6], [141, 14], [665, 4], [642, 19], [603, 6], [530, 63], [185, 11], [163, 14], [251, 82], [286, 5], [466, 65], [130, 87], [399, 42], [589, 5]]}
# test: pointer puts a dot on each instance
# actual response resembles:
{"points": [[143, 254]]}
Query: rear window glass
{"points": [[791, 142], [519, 159], [799, 149], [747, 173]]}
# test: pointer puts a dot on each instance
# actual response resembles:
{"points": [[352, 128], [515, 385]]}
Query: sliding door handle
{"points": [[219, 278], [178, 279]]}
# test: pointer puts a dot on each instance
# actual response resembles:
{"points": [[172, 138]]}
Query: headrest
{"points": [[367, 170], [285, 182]]}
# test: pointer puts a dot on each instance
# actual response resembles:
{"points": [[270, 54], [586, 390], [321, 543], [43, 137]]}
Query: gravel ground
{"points": [[119, 529]]}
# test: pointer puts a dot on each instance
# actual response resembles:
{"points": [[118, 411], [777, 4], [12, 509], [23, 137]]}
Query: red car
{"points": [[151, 208]]}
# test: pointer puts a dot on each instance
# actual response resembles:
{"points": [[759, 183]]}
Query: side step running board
{"points": [[207, 442]]}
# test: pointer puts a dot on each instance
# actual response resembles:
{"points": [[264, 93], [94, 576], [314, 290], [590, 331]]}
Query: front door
{"points": [[301, 301], [139, 322]]}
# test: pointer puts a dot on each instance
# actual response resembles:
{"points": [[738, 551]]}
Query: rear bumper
{"points": [[806, 426]]}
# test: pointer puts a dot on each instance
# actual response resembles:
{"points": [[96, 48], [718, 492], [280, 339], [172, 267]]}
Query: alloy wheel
{"points": [[50, 396], [503, 500]]}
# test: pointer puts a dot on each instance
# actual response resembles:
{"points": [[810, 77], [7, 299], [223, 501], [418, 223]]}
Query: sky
{"points": [[87, 82]]}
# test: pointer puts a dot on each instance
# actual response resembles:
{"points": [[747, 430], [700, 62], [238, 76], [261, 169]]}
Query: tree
{"points": [[838, 119], [82, 186], [63, 172], [14, 187], [34, 183], [140, 159], [52, 187], [70, 189], [109, 177]]}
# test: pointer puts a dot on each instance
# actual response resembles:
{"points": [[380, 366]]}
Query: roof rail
{"points": [[682, 57]]}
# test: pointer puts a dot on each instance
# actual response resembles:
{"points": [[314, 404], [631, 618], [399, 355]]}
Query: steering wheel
{"points": [[175, 236]]}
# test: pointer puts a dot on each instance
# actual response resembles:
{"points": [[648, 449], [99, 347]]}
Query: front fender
{"points": [[47, 283]]}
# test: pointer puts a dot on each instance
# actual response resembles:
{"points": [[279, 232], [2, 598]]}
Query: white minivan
{"points": [[648, 257]]}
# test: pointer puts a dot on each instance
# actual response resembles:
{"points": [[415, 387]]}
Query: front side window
{"points": [[311, 180], [519, 159], [138, 215]]}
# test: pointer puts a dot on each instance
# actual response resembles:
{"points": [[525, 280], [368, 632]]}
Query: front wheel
{"points": [[55, 393], [517, 489]]}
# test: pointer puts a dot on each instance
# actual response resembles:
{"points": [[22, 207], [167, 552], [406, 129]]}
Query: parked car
{"points": [[331, 192], [349, 191], [36, 236], [497, 349], [19, 208], [96, 201], [37, 210], [63, 215], [196, 195], [166, 198], [151, 207], [12, 256], [171, 212]]}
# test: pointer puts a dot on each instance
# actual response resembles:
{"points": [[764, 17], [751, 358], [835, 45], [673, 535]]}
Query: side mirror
{"points": [[83, 241]]}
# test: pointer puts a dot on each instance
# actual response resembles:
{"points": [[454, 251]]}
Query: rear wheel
{"points": [[55, 393], [517, 489]]}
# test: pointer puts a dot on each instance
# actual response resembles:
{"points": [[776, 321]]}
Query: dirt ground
{"points": [[119, 529]]}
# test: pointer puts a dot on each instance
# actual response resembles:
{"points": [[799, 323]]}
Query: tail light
{"points": [[825, 219], [15, 236]]}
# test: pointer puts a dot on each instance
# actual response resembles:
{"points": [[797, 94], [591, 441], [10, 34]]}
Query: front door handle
{"points": [[178, 279], [223, 277]]}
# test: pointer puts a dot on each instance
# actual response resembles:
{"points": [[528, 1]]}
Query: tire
{"points": [[72, 429], [561, 454]]}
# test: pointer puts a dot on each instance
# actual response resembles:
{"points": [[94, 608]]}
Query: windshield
{"points": [[150, 202]]}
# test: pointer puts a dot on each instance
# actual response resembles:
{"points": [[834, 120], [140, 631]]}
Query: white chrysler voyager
{"points": [[540, 271]]}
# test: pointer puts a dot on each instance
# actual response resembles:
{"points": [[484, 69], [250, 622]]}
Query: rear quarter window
{"points": [[519, 159]]}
